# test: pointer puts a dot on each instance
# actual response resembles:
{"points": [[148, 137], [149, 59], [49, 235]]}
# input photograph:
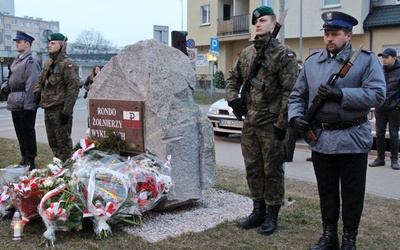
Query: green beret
{"points": [[261, 11], [57, 37]]}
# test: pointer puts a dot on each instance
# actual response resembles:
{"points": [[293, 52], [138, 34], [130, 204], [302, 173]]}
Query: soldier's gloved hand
{"points": [[300, 124], [279, 134], [36, 98], [238, 108], [330, 93], [5, 89], [64, 119]]}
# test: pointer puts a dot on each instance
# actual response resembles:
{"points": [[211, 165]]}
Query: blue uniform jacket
{"points": [[363, 88]]}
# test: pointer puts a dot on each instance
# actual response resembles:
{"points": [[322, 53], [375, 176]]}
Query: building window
{"points": [[7, 26], [8, 38], [28, 24], [8, 48], [267, 3], [36, 25], [331, 3], [14, 22], [205, 14], [22, 23]]}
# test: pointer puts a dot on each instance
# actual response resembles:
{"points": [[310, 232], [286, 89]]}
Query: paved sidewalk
{"points": [[382, 181]]}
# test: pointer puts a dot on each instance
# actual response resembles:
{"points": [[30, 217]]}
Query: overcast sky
{"points": [[122, 22]]}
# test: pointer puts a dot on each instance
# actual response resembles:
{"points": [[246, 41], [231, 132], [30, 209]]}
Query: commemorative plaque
{"points": [[121, 116]]}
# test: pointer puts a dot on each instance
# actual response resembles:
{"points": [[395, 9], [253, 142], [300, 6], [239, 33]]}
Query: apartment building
{"points": [[35, 27], [229, 21]]}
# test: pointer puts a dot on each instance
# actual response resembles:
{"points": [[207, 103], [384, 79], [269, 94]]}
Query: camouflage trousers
{"points": [[264, 161], [58, 135]]}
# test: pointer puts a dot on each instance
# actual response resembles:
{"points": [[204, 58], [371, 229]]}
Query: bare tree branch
{"points": [[92, 42]]}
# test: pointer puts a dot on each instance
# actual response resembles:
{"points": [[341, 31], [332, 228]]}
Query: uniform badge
{"points": [[256, 13], [290, 55], [70, 65], [329, 16]]}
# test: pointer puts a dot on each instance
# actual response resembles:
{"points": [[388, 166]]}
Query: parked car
{"points": [[225, 122], [223, 119]]}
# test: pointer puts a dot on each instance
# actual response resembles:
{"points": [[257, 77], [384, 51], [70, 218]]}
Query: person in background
{"points": [[23, 75], [89, 80], [264, 128], [389, 111], [340, 153], [57, 90]]}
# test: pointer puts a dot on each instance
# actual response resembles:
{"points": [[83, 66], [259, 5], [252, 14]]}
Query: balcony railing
{"points": [[236, 25]]}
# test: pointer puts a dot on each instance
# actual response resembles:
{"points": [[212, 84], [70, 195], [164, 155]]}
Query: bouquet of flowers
{"points": [[8, 175], [92, 184]]}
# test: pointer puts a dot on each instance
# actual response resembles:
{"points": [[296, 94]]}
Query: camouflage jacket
{"points": [[62, 86], [278, 73]]}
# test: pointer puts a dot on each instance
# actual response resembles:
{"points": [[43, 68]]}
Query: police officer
{"points": [[265, 124], [57, 90], [23, 75], [340, 153]]}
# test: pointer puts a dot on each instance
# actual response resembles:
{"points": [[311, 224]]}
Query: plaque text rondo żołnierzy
{"points": [[122, 116]]}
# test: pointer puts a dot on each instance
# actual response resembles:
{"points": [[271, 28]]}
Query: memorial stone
{"points": [[163, 79]]}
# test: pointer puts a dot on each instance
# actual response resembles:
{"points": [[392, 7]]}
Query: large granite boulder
{"points": [[162, 77]]}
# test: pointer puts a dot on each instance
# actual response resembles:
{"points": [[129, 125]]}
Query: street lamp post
{"points": [[182, 15]]}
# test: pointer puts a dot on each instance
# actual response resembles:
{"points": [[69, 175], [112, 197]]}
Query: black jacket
{"points": [[392, 76]]}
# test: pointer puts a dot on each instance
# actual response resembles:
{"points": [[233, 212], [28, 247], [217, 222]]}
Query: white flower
{"points": [[48, 183], [53, 168], [57, 161]]}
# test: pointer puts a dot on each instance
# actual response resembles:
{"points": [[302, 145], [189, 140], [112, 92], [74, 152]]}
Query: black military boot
{"points": [[257, 217], [349, 240], [271, 222], [329, 239], [22, 162]]}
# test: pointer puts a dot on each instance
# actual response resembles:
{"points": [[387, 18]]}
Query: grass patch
{"points": [[299, 226]]}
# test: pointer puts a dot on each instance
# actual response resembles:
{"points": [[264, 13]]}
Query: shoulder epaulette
{"points": [[311, 55], [368, 52]]}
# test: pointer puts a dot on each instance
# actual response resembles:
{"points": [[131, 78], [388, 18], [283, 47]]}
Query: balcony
{"points": [[236, 25]]}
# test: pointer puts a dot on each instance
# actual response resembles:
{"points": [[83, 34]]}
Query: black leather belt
{"points": [[341, 125]]}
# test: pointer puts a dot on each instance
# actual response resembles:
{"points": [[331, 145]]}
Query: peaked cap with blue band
{"points": [[23, 36], [335, 20]]}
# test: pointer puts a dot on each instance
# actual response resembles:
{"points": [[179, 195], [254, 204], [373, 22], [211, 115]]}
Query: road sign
{"points": [[190, 43], [214, 46], [192, 54]]}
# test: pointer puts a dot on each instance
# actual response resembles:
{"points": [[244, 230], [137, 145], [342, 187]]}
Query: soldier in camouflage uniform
{"points": [[57, 90], [266, 121]]}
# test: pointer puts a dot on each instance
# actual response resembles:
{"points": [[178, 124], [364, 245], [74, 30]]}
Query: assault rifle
{"points": [[318, 103], [255, 67], [53, 62]]}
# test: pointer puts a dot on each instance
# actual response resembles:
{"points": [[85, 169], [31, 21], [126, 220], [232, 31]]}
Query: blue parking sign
{"points": [[214, 46]]}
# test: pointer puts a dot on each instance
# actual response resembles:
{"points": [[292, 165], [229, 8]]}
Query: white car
{"points": [[223, 119]]}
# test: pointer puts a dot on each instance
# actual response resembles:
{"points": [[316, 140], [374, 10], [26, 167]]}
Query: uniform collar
{"points": [[24, 55], [260, 41], [341, 57]]}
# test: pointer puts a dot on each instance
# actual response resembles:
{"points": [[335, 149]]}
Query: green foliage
{"points": [[219, 80], [111, 143]]}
